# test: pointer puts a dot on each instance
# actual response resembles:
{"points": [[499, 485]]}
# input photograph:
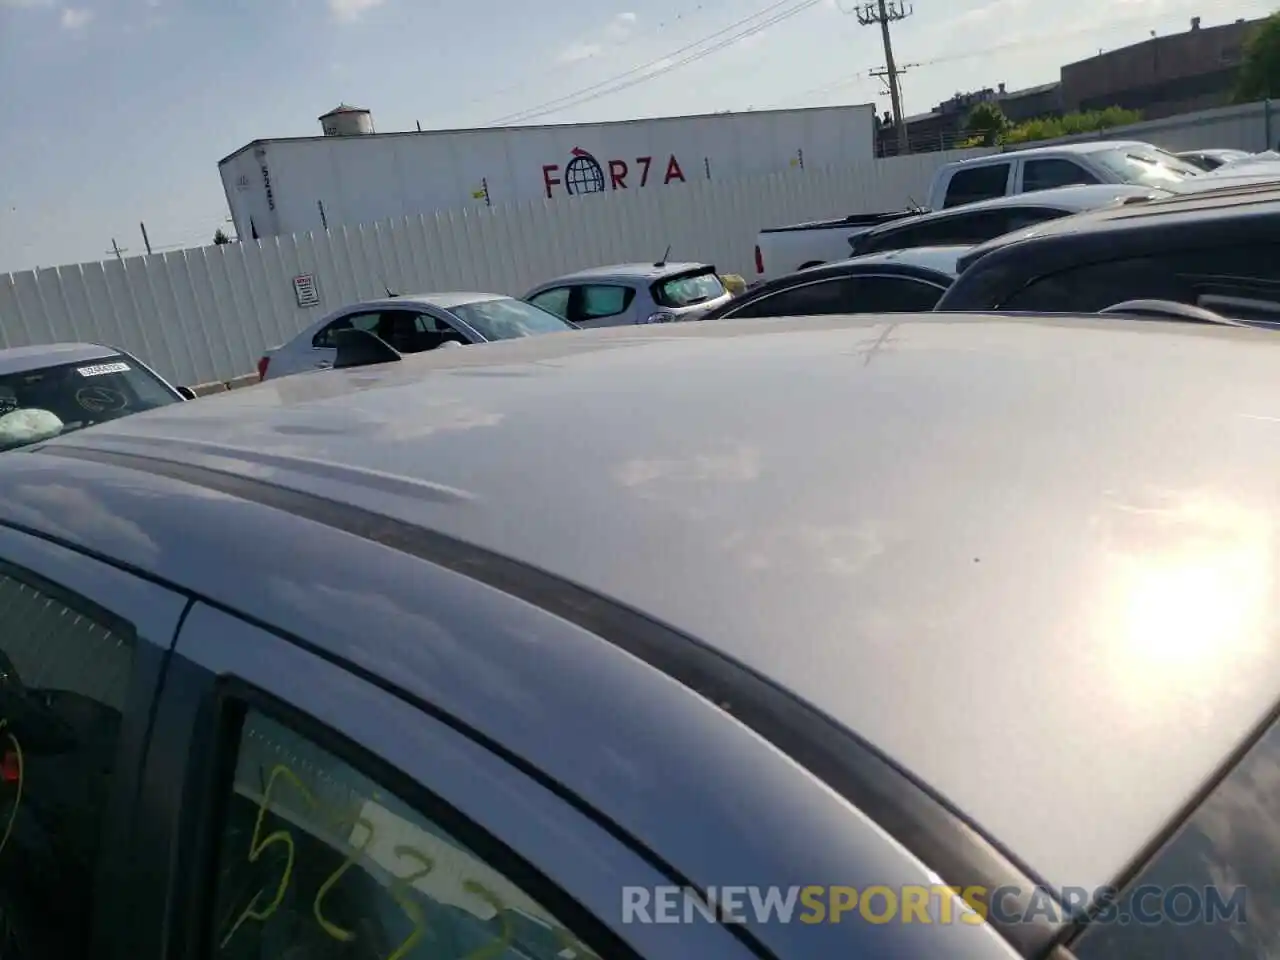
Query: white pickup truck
{"points": [[782, 250], [1062, 165]]}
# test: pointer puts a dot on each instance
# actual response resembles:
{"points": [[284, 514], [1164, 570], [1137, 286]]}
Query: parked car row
{"points": [[1211, 243], [1032, 184]]}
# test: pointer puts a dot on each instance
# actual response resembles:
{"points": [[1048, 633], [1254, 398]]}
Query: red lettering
{"points": [[644, 174], [548, 181], [673, 171], [618, 174]]}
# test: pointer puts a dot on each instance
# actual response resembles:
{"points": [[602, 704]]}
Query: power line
{"points": [[777, 12], [647, 36], [1021, 43]]}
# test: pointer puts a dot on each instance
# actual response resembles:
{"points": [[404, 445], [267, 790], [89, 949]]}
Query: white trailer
{"points": [[300, 184]]}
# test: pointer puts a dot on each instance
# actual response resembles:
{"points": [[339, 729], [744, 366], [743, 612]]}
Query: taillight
{"points": [[11, 767], [759, 260], [262, 368]]}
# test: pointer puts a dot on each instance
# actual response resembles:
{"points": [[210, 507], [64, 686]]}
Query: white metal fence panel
{"points": [[208, 313], [1251, 126]]}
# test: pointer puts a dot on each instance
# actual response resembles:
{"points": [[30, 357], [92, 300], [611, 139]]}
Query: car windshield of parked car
{"points": [[37, 405], [507, 319], [1150, 167], [687, 290]]}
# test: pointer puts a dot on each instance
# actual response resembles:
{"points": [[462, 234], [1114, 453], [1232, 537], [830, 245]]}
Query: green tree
{"points": [[987, 122], [1259, 77], [220, 237]]}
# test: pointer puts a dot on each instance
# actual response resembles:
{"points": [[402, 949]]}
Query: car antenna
{"points": [[663, 261], [389, 293]]}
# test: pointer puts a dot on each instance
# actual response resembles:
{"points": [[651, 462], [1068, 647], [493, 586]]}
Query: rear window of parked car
{"points": [[687, 290]]}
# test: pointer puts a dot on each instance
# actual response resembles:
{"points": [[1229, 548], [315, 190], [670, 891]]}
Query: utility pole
{"points": [[884, 12], [118, 250], [145, 241]]}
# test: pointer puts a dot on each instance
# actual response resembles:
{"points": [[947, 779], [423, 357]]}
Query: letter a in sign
{"points": [[673, 171]]}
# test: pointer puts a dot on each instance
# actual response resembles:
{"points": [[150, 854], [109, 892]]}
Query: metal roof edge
{"points": [[547, 126]]}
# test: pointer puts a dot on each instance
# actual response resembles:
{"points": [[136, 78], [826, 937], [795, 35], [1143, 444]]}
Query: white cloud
{"points": [[347, 11], [616, 32], [74, 18], [580, 51]]}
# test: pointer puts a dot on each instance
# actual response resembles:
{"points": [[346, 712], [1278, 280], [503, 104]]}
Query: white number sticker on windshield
{"points": [[99, 369]]}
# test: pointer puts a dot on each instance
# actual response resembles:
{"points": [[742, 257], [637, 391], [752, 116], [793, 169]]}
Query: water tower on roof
{"points": [[347, 121]]}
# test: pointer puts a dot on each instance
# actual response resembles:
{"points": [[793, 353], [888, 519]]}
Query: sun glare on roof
{"points": [[1190, 591]]}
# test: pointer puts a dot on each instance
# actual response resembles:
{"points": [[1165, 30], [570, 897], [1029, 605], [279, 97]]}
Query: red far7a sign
{"points": [[585, 174]]}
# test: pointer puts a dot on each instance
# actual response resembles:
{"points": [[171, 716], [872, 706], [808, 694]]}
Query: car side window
{"points": [[1096, 286], [1213, 889], [603, 300], [893, 295], [867, 294], [1240, 282], [981, 182], [318, 859], [64, 678], [358, 321], [809, 299], [1053, 172], [554, 301]]}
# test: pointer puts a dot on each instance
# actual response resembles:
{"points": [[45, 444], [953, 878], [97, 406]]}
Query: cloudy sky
{"points": [[115, 112]]}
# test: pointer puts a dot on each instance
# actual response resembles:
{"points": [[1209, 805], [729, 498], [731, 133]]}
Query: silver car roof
{"points": [[445, 301], [1032, 560], [630, 272], [22, 359]]}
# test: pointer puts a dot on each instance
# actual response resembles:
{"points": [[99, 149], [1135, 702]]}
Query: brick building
{"points": [[1163, 76]]}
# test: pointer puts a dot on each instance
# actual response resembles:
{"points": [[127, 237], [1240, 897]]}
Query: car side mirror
{"points": [[186, 393]]}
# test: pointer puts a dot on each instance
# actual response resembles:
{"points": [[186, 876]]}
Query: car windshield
{"points": [[507, 319], [1147, 166], [39, 404], [685, 291]]}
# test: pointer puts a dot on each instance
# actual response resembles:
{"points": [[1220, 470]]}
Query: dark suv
{"points": [[1215, 249]]}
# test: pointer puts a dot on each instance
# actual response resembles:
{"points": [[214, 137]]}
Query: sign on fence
{"points": [[304, 290]]}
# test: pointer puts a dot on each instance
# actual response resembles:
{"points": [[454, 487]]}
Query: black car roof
{"points": [[1231, 217]]}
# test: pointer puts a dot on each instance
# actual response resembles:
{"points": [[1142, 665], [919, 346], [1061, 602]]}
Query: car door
{"points": [[83, 646], [323, 816]]}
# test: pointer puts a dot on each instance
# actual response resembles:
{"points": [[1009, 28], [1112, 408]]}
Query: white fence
{"points": [[1252, 126], [208, 313]]}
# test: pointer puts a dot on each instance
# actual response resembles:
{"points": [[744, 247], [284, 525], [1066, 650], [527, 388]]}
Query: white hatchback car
{"points": [[412, 324]]}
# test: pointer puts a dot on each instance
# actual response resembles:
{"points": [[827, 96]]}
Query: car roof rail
{"points": [[1170, 310], [361, 348]]}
